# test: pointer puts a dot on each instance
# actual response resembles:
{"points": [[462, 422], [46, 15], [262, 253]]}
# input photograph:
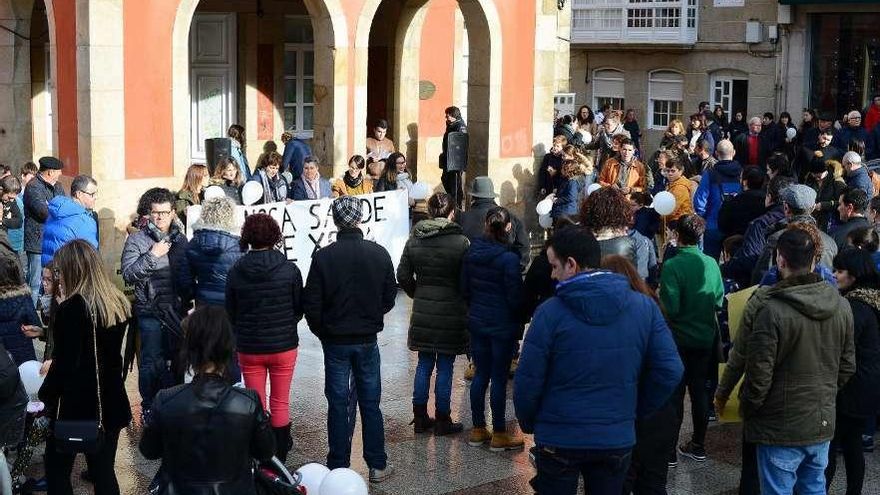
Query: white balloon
{"points": [[664, 203], [313, 475], [30, 376], [251, 192], [545, 221], [544, 206], [212, 192], [420, 190], [344, 481], [791, 133], [593, 188]]}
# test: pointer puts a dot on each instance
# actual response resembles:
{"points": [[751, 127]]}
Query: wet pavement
{"points": [[437, 465]]}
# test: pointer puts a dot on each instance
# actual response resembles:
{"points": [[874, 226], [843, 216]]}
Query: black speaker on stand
{"points": [[215, 150]]}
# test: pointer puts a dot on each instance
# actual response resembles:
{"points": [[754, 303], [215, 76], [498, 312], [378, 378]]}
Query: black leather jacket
{"points": [[199, 430]]}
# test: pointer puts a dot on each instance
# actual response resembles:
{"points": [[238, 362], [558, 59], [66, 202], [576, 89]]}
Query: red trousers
{"points": [[279, 367]]}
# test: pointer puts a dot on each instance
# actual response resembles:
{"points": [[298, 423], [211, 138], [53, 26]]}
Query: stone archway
{"points": [[331, 62], [484, 78]]}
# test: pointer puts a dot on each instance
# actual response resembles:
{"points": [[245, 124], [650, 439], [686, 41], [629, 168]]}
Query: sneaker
{"points": [[712, 415], [867, 443], [380, 475], [692, 450], [533, 457], [501, 441], [672, 464], [479, 436], [470, 371]]}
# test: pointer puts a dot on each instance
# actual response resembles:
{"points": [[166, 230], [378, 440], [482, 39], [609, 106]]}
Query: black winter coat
{"points": [[209, 257], [263, 299], [429, 272], [738, 212], [71, 378], [159, 283], [827, 197], [17, 309], [860, 397], [37, 195], [493, 289], [350, 287], [457, 126], [206, 434], [13, 401]]}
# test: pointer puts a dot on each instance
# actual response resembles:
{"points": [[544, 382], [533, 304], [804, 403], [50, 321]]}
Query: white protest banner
{"points": [[307, 226]]}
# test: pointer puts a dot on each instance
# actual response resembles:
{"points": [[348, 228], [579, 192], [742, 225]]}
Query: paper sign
{"points": [[736, 306]]}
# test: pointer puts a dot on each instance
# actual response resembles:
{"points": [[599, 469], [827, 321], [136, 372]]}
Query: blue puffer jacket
{"points": [[493, 288], [596, 355], [716, 184], [17, 309], [210, 255], [68, 220]]}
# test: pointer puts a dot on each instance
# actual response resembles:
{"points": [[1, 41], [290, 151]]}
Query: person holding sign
{"points": [[350, 287], [310, 185], [354, 181]]}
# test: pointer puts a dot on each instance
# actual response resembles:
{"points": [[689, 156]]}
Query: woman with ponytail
{"points": [[493, 289]]}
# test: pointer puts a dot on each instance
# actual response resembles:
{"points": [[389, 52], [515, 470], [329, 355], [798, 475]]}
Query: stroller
{"points": [[274, 479]]}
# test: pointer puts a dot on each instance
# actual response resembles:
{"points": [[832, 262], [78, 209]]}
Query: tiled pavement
{"points": [[440, 465]]}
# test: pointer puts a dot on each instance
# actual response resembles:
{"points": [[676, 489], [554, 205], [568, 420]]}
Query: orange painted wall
{"points": [[64, 12], [148, 102], [436, 61], [518, 76]]}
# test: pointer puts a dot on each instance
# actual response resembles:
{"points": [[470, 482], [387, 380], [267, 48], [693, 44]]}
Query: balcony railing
{"points": [[670, 22]]}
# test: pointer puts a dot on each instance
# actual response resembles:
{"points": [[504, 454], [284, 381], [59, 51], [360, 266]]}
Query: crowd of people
{"points": [[605, 332]]}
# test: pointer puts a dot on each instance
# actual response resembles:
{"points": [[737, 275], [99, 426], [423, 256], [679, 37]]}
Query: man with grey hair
{"points": [[752, 149], [718, 184], [856, 174], [349, 288], [853, 130], [71, 217]]}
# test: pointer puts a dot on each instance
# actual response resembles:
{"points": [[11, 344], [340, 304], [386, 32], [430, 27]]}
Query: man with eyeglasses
{"points": [[150, 259], [853, 130], [71, 217]]}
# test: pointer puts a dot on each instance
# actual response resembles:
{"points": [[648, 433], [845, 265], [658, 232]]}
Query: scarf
{"points": [[313, 187], [353, 182], [623, 176]]}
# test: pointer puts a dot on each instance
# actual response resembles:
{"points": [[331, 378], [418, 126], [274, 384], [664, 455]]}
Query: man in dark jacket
{"points": [[737, 213], [787, 400], [811, 137], [718, 185], [37, 195], [451, 177], [295, 152], [753, 147], [151, 258], [633, 369], [853, 209], [853, 130], [350, 286], [740, 267], [473, 221], [856, 174], [814, 159], [798, 201]]}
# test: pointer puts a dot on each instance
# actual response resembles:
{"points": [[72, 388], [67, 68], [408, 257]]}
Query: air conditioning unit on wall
{"points": [[754, 32]]}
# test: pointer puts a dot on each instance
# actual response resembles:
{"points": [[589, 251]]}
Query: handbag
{"points": [[82, 436]]}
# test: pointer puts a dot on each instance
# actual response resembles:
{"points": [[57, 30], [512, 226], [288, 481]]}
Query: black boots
{"points": [[443, 425], [421, 421], [283, 442]]}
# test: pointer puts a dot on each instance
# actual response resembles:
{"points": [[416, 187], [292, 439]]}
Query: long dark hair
{"points": [[207, 340], [590, 118], [10, 274], [497, 220], [860, 265], [236, 132]]}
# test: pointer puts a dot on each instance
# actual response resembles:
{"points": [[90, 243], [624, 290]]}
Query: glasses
{"points": [[161, 214], [92, 194]]}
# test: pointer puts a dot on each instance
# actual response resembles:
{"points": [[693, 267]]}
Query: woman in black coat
{"points": [[210, 457], [429, 272], [90, 326], [264, 302], [859, 399]]}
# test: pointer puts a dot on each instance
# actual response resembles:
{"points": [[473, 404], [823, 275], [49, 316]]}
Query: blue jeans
{"points": [[492, 356], [558, 471], [787, 469], [34, 275], [151, 363], [362, 362], [443, 384]]}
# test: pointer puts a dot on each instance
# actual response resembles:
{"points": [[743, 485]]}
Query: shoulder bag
{"points": [[82, 436]]}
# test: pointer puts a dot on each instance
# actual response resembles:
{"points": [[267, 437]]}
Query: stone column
{"points": [[15, 82]]}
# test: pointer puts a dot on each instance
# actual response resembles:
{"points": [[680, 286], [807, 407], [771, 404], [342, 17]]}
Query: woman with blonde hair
{"points": [[227, 176], [194, 184], [354, 181], [84, 382]]}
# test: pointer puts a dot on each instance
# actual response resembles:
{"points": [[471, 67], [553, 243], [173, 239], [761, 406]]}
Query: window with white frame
{"points": [[608, 87], [665, 95], [299, 75]]}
